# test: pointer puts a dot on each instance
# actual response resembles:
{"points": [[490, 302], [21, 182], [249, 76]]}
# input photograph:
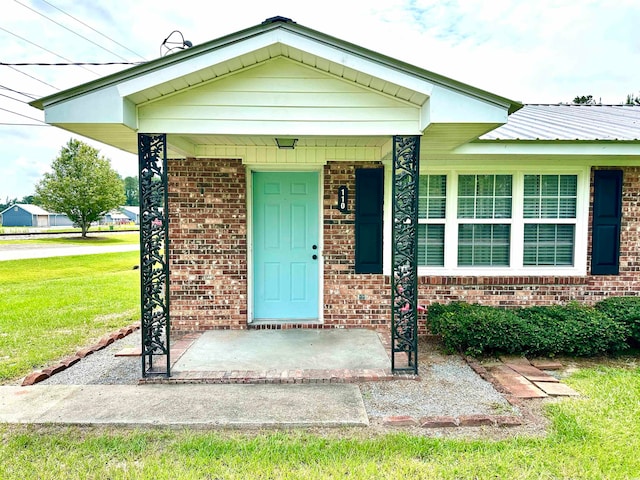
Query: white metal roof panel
{"points": [[570, 122]]}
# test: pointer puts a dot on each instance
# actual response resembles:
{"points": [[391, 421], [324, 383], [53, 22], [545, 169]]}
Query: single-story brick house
{"points": [[312, 183]]}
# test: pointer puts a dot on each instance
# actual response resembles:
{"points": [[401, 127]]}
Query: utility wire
{"points": [[31, 76], [45, 49], [70, 64], [70, 30], [90, 27], [13, 98], [25, 124], [16, 91], [21, 115]]}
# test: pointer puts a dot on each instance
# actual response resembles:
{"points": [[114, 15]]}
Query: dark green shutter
{"points": [[369, 200], [607, 215]]}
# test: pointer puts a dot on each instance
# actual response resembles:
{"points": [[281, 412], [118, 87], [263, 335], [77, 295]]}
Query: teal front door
{"points": [[285, 246]]}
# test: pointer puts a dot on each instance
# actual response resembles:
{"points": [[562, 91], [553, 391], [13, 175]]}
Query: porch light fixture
{"points": [[286, 143]]}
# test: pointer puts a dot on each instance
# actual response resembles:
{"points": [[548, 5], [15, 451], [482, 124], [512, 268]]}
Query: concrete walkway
{"points": [[222, 406], [20, 252]]}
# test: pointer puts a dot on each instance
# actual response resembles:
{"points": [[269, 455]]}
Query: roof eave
{"points": [[276, 23]]}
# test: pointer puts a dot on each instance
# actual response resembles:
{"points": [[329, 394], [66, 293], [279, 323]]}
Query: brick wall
{"points": [[208, 256], [342, 286], [208, 244], [521, 291]]}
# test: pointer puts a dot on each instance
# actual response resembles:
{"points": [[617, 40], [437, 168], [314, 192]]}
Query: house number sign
{"points": [[343, 199]]}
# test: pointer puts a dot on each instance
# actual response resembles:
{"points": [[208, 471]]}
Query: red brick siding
{"points": [[208, 244], [521, 291], [208, 256], [341, 285]]}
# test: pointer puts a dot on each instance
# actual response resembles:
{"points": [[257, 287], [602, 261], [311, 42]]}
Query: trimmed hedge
{"points": [[624, 310], [569, 330]]}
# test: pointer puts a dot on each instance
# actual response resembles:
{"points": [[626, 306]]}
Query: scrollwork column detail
{"points": [[154, 252], [404, 257]]}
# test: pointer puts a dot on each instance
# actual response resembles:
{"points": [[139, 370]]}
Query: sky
{"points": [[533, 51]]}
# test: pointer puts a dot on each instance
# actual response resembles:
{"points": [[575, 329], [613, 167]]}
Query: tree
{"points": [[632, 100], [82, 185], [131, 191], [584, 100]]}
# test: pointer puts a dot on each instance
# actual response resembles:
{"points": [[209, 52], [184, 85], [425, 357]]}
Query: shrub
{"points": [[571, 330], [624, 310]]}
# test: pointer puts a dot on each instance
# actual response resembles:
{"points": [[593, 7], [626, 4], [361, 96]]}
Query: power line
{"points": [[70, 64], [31, 76], [70, 30], [90, 27], [25, 124], [45, 49], [13, 98], [21, 93], [21, 115]]}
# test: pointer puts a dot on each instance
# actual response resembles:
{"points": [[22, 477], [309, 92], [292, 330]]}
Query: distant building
{"points": [[29, 215], [132, 212]]}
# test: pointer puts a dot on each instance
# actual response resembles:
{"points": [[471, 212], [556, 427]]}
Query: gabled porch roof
{"points": [[288, 80]]}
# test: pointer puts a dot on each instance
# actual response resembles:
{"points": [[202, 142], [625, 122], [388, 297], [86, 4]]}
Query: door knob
{"points": [[315, 257], [315, 247]]}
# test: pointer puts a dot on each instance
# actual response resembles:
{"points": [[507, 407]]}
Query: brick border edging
{"points": [[65, 363], [453, 422]]}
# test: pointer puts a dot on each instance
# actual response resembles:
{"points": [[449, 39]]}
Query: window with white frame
{"points": [[500, 222]]}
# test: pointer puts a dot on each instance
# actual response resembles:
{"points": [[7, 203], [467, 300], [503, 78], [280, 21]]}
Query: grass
{"points": [[594, 437], [52, 306], [92, 240]]}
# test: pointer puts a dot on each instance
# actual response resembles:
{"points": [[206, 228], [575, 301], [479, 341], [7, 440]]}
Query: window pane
{"points": [[483, 245], [466, 185], [485, 185], [531, 207], [436, 208], [549, 208], [503, 185], [466, 208], [432, 196], [567, 208], [550, 196], [531, 185], [431, 245], [568, 185], [484, 196], [547, 244], [550, 185]]}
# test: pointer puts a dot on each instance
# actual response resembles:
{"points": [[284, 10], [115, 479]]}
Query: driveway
{"points": [[24, 251]]}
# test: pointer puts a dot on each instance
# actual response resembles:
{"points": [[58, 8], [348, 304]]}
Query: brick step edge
{"points": [[453, 422], [278, 377], [40, 375]]}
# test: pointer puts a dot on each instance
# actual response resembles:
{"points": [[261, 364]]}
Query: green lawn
{"points": [[52, 306], [594, 437]]}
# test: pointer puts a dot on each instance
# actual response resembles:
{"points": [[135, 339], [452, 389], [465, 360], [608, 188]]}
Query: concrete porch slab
{"points": [[284, 350], [205, 406]]}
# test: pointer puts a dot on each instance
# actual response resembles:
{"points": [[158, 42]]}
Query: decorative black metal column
{"points": [[404, 257], [154, 253]]}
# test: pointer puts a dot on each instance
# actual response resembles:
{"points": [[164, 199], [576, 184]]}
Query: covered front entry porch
{"points": [[279, 356], [278, 97]]}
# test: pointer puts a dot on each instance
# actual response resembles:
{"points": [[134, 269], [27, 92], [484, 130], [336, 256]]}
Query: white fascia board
{"points": [[356, 62], [550, 148], [450, 106], [101, 106], [195, 63]]}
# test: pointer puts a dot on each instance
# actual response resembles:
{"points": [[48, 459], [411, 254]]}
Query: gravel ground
{"points": [[447, 385], [103, 367]]}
